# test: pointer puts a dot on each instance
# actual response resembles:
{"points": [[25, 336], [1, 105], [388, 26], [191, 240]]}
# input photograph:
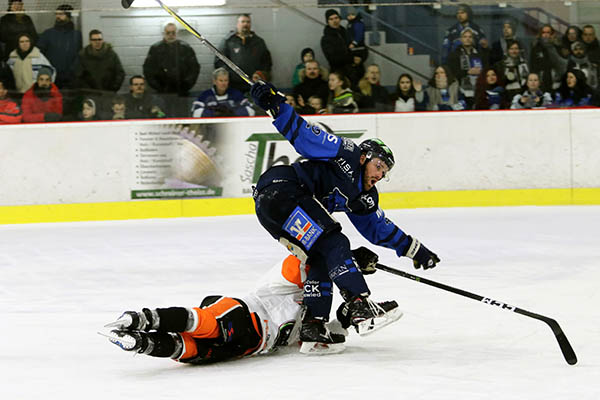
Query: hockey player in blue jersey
{"points": [[294, 204]]}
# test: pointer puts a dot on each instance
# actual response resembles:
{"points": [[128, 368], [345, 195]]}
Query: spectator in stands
{"points": [[43, 101], [466, 63], [141, 104], [588, 36], [500, 47], [356, 29], [313, 84], [26, 60], [573, 91], [247, 50], [99, 68], [443, 92], [572, 35], [464, 17], [61, 44], [356, 70], [514, 69], [6, 74], [118, 108], [88, 111], [13, 24], [336, 42], [580, 60], [171, 68], [532, 96], [221, 100], [316, 103], [489, 91], [341, 98], [373, 97], [10, 112], [409, 95], [306, 55], [545, 59]]}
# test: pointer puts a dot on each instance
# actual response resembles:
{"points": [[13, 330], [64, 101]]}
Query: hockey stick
{"points": [[563, 342], [216, 52]]}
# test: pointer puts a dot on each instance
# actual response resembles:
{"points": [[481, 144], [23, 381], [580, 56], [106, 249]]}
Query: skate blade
{"points": [[123, 322], [315, 348], [125, 342], [369, 326]]}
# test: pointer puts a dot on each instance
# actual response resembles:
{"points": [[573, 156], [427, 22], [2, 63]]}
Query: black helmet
{"points": [[376, 148]]}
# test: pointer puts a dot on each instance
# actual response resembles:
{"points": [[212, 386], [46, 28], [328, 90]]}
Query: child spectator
{"points": [[88, 111], [489, 91], [317, 105], [532, 96], [341, 98], [409, 95], [306, 55], [119, 108], [356, 29], [443, 92]]}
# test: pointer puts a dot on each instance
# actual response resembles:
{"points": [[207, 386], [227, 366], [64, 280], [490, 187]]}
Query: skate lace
{"points": [[375, 308]]}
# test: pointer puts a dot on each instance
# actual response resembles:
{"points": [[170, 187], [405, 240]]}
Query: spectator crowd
{"points": [[51, 77]]}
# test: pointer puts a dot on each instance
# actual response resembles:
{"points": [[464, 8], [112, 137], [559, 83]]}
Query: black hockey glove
{"points": [[266, 96], [366, 260], [421, 255]]}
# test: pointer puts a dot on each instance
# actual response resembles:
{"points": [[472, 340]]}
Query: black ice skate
{"points": [[135, 321], [367, 316], [317, 339]]}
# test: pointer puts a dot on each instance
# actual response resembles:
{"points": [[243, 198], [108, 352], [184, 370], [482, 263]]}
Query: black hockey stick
{"points": [[216, 52], [563, 342]]}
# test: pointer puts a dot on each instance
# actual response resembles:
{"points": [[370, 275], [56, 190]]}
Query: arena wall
{"points": [[198, 167]]}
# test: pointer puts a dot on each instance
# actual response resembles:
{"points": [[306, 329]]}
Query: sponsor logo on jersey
{"points": [[302, 228], [345, 167]]}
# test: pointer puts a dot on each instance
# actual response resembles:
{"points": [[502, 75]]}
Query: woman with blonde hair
{"points": [[372, 96]]}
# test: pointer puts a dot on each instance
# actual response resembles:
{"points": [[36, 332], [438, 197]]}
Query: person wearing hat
{"points": [[43, 101], [26, 60], [579, 60], [14, 23], [336, 42], [61, 44], [307, 54], [500, 48], [464, 18]]}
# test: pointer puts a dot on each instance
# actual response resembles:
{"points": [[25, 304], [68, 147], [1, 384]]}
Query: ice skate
{"points": [[366, 315], [128, 340], [134, 320], [317, 339]]}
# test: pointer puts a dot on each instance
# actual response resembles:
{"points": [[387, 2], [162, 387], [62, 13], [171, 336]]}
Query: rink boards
{"points": [[173, 168]]}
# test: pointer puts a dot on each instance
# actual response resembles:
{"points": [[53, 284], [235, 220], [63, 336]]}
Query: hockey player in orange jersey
{"points": [[226, 327]]}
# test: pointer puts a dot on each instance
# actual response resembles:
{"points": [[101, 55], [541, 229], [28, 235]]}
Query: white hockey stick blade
{"points": [[369, 326], [316, 348]]}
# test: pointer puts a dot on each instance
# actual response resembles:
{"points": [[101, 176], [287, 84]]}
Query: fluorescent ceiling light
{"points": [[179, 3]]}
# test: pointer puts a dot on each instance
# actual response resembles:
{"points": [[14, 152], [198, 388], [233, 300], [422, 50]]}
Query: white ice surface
{"points": [[59, 283]]}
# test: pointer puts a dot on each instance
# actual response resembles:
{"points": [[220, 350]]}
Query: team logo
{"points": [[302, 228]]}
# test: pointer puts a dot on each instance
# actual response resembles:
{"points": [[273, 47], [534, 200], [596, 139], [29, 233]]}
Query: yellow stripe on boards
{"points": [[238, 206]]}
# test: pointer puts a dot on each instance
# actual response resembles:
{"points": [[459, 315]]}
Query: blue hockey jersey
{"points": [[332, 172]]}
